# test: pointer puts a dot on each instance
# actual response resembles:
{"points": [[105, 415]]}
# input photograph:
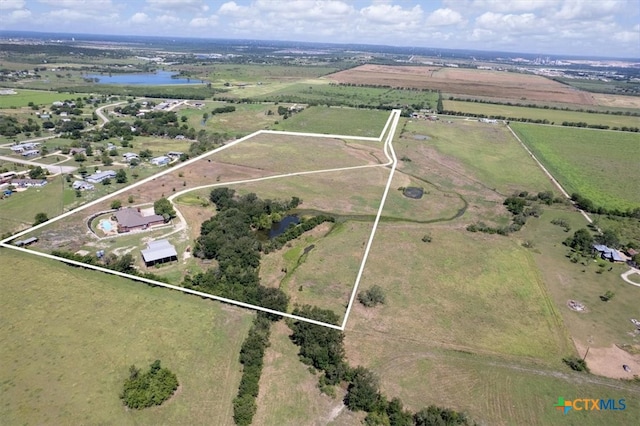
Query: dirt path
{"points": [[625, 276]]}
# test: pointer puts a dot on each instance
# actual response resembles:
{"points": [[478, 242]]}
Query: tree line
{"points": [[323, 349]]}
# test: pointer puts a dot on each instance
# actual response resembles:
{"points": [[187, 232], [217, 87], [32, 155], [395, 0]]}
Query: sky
{"points": [[571, 27]]}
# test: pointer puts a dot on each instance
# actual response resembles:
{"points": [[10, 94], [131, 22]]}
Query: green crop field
{"points": [[69, 336], [553, 116], [38, 97], [254, 73], [599, 165]]}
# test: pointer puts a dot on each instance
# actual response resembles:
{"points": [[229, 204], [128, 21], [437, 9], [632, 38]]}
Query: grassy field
{"points": [[38, 97], [553, 116], [489, 389], [337, 121], [321, 92], [597, 164], [481, 152], [68, 341]]}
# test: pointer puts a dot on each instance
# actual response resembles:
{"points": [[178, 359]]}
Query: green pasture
{"points": [[477, 292], [276, 153], [604, 323], [322, 93], [246, 119], [70, 335], [336, 121], [599, 165], [482, 152], [490, 390], [553, 116]]}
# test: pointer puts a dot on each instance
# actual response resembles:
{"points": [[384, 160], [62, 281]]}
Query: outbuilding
{"points": [[160, 251]]}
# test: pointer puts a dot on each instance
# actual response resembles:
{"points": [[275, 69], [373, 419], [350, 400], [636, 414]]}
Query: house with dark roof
{"points": [[607, 253], [131, 219], [160, 251]]}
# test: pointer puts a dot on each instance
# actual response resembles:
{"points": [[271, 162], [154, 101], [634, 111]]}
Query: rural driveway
{"points": [[53, 168]]}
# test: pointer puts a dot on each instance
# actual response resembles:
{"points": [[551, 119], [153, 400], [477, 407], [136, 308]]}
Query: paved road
{"points": [[53, 168]]}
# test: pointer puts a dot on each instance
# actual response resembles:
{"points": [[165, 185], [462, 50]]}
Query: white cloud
{"points": [[507, 6], [441, 17], [231, 8], [11, 4], [204, 22], [79, 4], [391, 14], [17, 16], [139, 18], [178, 5], [627, 37]]}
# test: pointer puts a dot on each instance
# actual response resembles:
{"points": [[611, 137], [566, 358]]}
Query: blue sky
{"points": [[572, 27]]}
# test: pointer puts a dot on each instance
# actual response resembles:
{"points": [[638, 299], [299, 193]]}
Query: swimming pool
{"points": [[106, 225]]}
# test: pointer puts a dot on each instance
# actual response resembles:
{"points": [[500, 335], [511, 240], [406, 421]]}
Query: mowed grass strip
{"points": [[600, 165], [553, 116], [471, 291], [69, 336]]}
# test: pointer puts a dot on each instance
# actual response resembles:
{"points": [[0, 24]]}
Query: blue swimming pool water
{"points": [[105, 225]]}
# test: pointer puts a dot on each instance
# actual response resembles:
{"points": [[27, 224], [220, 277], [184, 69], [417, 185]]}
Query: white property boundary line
{"points": [[395, 115]]}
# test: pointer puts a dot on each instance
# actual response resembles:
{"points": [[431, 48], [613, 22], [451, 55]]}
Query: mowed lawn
{"points": [[552, 115], [600, 165], [69, 336]]}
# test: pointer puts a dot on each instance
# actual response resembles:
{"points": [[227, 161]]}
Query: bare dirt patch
{"points": [[608, 361], [466, 82]]}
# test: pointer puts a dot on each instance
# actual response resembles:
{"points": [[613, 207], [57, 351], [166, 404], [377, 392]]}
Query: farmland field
{"points": [[68, 342], [552, 116], [465, 82], [337, 121], [596, 164]]}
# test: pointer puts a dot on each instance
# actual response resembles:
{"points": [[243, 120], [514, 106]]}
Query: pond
{"points": [[413, 192], [278, 228], [149, 79]]}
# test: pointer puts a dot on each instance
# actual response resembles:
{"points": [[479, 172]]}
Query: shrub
{"points": [[148, 389], [372, 297], [576, 363]]}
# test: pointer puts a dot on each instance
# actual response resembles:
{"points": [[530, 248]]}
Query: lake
{"points": [[160, 78]]}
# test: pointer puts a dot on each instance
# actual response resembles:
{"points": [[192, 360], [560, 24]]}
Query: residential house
{"points": [[31, 153], [82, 185], [131, 219], [608, 253], [100, 176], [160, 161], [28, 183]]}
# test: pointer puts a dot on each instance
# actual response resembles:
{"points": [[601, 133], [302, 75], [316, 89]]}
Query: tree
{"points": [[164, 208], [151, 388], [438, 416], [106, 181], [79, 157], [37, 173], [608, 238], [362, 393], [581, 240], [106, 160], [372, 296], [116, 204], [40, 218], [121, 176]]}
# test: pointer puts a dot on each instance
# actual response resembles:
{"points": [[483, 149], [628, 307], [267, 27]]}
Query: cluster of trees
{"points": [[323, 348], [222, 110], [261, 213], [521, 206], [147, 389], [251, 358], [10, 126], [228, 238], [589, 206]]}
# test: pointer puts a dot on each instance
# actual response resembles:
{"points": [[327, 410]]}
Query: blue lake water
{"points": [[159, 78]]}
